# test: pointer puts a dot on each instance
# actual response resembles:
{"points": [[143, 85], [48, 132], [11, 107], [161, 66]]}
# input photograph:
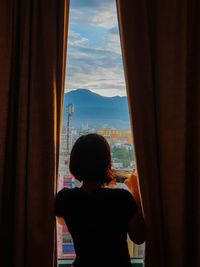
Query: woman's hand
{"points": [[60, 220], [132, 184], [136, 228]]}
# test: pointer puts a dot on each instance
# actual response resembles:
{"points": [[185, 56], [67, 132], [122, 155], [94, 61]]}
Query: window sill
{"points": [[136, 262]]}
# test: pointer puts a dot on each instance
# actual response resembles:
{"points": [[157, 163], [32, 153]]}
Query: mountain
{"points": [[96, 110]]}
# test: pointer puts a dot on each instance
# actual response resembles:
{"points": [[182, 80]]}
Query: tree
{"points": [[124, 155]]}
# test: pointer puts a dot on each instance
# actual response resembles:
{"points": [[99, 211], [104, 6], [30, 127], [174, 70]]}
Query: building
{"points": [[111, 135]]}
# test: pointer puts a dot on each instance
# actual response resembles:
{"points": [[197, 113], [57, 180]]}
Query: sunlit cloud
{"points": [[75, 39], [106, 17], [106, 81]]}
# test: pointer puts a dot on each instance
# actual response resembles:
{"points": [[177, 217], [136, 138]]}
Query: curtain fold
{"points": [[160, 45], [33, 37]]}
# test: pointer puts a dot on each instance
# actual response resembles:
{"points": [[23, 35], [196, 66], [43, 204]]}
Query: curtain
{"points": [[160, 45], [32, 58]]}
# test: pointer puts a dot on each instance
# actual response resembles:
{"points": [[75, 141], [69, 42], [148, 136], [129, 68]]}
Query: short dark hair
{"points": [[90, 159]]}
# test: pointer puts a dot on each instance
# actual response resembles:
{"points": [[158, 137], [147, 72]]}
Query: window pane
{"points": [[95, 99]]}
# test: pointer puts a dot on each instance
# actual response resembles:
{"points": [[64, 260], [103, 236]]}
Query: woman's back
{"points": [[98, 223]]}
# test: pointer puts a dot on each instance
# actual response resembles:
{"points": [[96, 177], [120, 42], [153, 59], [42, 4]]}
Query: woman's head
{"points": [[90, 159]]}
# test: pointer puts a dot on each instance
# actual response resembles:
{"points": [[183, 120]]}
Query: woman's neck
{"points": [[90, 186]]}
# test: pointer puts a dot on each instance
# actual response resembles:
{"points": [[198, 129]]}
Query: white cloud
{"points": [[106, 81], [112, 43], [99, 68], [90, 3], [75, 39], [103, 16]]}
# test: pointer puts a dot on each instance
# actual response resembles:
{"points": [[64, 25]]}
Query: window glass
{"points": [[95, 98]]}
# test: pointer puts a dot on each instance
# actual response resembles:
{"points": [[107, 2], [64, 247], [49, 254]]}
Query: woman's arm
{"points": [[132, 184], [136, 229], [136, 226], [60, 220]]}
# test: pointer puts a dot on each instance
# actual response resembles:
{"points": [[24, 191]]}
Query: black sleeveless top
{"points": [[98, 223]]}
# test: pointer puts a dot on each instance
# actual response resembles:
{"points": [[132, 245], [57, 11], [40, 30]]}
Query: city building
{"points": [[112, 135]]}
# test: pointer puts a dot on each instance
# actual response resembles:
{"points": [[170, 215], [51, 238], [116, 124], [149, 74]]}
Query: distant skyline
{"points": [[94, 57]]}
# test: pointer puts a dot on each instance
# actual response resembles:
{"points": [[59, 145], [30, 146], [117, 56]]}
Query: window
{"points": [[95, 98]]}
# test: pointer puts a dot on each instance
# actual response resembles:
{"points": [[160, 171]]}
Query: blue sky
{"points": [[94, 57]]}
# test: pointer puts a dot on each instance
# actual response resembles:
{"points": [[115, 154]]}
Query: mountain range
{"points": [[97, 111]]}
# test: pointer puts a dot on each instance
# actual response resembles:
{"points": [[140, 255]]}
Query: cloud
{"points": [[94, 54], [105, 17], [75, 39], [111, 84], [97, 70], [90, 3], [96, 13], [114, 30], [112, 42]]}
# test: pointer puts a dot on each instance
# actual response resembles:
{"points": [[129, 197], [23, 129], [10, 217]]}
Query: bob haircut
{"points": [[90, 159]]}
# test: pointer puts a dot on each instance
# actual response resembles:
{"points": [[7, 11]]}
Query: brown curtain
{"points": [[32, 58], [161, 43]]}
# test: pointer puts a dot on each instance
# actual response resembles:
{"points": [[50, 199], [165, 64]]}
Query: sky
{"points": [[94, 58]]}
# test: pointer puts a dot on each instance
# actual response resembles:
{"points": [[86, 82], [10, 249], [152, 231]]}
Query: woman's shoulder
{"points": [[121, 192], [123, 199], [63, 196], [118, 186], [64, 192]]}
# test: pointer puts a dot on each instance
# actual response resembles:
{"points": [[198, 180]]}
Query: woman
{"points": [[97, 217]]}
